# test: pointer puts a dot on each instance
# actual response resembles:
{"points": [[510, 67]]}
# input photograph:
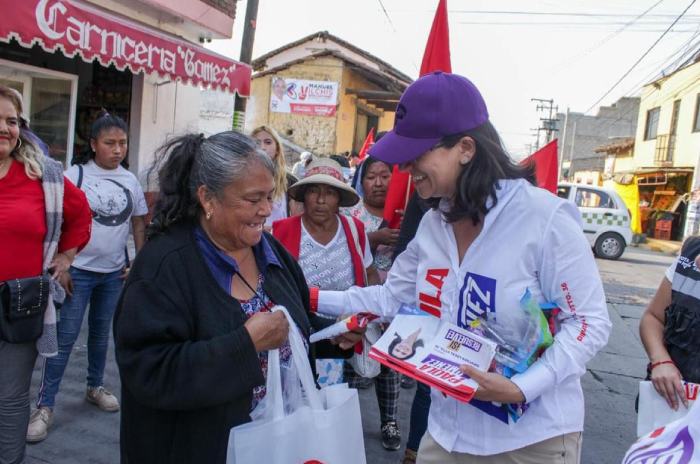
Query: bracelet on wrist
{"points": [[658, 363]]}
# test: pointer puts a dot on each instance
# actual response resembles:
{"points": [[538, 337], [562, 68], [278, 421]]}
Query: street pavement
{"points": [[83, 434]]}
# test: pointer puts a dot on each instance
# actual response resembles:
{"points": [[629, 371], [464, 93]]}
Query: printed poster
{"points": [[429, 350], [299, 96]]}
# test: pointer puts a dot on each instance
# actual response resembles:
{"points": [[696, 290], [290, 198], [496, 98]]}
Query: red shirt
{"points": [[23, 223]]}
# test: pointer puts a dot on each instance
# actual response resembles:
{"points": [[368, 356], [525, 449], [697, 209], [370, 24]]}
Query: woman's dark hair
{"points": [[397, 339], [189, 161], [104, 121], [341, 160], [369, 161], [478, 181]]}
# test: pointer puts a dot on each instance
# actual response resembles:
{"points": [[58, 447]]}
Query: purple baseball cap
{"points": [[436, 105]]}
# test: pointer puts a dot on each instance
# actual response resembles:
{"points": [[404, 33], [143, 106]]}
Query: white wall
{"points": [[215, 112], [160, 109]]}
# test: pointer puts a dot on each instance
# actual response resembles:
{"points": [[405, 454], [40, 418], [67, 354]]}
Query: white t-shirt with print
{"points": [[329, 267], [114, 195]]}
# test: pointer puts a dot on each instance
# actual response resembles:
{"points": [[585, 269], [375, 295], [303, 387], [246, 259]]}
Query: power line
{"points": [[386, 13], [552, 13], [610, 36], [642, 57]]}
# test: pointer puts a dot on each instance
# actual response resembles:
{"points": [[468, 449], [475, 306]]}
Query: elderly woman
{"points": [[44, 221], [333, 250], [490, 237], [270, 142], [193, 326]]}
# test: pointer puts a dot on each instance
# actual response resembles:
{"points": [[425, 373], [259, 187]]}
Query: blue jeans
{"points": [[102, 291], [419, 416]]}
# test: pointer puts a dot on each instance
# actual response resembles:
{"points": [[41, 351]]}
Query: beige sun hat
{"points": [[325, 171]]}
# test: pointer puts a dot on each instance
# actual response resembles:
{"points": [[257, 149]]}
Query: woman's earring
{"points": [[464, 161], [208, 215], [19, 144]]}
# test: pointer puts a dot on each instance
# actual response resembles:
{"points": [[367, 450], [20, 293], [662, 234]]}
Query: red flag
{"points": [[437, 51], [435, 58], [368, 143], [546, 166]]}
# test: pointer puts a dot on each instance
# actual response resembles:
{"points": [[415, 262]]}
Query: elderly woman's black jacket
{"points": [[187, 365]]}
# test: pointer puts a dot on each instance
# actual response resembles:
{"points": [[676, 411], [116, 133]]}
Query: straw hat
{"points": [[328, 172]]}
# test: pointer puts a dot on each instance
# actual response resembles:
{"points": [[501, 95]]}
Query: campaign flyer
{"points": [[423, 347]]}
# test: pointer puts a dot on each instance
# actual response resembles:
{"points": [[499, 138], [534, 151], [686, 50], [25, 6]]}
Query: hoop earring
{"points": [[19, 144]]}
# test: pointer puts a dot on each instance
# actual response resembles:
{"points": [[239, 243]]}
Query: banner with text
{"points": [[299, 96]]}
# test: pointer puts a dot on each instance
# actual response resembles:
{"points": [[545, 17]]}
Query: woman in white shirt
{"points": [[490, 237], [268, 139]]}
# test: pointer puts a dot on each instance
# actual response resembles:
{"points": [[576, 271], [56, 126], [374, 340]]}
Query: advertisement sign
{"points": [[299, 96]]}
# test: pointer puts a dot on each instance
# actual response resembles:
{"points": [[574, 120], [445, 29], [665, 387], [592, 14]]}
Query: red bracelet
{"points": [[313, 297], [658, 363]]}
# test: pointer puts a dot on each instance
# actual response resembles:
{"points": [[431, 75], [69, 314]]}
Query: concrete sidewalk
{"points": [[669, 247]]}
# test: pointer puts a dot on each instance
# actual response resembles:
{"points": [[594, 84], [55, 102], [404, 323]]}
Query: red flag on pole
{"points": [[546, 166], [437, 51], [435, 58], [368, 143]]}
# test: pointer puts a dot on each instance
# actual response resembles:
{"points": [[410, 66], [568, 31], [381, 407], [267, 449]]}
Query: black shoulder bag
{"points": [[22, 306]]}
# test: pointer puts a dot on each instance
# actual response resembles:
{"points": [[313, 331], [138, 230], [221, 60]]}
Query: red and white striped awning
{"points": [[77, 28]]}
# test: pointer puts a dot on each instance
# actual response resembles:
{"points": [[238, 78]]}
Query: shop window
{"points": [[588, 198], [696, 120], [652, 123], [50, 114]]}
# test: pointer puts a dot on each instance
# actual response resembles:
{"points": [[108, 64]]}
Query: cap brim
{"points": [[348, 196], [396, 149]]}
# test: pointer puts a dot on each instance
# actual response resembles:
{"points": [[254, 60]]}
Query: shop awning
{"points": [[72, 27]]}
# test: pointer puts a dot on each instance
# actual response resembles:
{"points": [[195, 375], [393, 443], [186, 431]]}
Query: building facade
{"points": [[139, 59], [355, 92], [667, 147], [581, 135]]}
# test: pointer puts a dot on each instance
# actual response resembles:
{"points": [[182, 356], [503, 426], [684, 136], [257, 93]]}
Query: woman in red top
{"points": [[23, 230]]}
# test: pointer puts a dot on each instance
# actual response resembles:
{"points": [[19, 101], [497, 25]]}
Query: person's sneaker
{"points": [[391, 436], [410, 457], [407, 382], [39, 422], [102, 399]]}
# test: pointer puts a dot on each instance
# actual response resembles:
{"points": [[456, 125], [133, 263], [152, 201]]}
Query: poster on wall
{"points": [[299, 96]]}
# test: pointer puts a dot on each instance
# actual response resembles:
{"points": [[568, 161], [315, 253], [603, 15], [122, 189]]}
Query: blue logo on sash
{"points": [[477, 298]]}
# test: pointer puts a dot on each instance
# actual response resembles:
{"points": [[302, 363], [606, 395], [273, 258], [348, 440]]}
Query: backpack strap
{"points": [[80, 176]]}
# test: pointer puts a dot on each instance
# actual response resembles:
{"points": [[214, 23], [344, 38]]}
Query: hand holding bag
{"points": [[22, 306], [300, 424], [362, 364]]}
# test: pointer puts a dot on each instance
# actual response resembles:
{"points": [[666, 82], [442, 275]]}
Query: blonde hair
{"points": [[25, 152], [280, 163]]}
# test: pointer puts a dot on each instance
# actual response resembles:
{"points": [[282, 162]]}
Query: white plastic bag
{"points": [[654, 411], [303, 425], [363, 365], [674, 443]]}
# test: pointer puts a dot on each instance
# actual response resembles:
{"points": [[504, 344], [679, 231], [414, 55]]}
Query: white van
{"points": [[606, 219]]}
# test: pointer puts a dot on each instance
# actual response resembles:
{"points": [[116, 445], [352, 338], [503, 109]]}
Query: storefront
{"points": [[70, 60], [659, 198]]}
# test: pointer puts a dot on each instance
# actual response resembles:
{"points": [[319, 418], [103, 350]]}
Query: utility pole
{"points": [[251, 17], [548, 123]]}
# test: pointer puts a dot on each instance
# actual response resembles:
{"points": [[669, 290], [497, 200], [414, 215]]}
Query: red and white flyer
{"points": [[423, 347]]}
